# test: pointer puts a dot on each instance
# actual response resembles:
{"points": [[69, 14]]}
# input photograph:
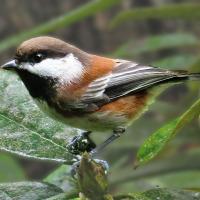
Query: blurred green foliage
{"points": [[68, 19], [167, 12], [156, 43]]}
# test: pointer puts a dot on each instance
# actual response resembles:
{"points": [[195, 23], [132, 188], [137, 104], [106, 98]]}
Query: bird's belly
{"points": [[121, 112], [98, 121]]}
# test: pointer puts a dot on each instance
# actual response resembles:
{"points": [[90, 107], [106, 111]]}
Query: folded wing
{"points": [[127, 78]]}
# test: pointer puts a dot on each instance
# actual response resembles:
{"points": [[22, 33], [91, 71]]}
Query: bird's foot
{"points": [[81, 143], [117, 132]]}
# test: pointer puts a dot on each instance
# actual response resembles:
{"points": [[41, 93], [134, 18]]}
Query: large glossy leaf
{"points": [[28, 191], [174, 11], [25, 130], [89, 9], [155, 43], [157, 141]]}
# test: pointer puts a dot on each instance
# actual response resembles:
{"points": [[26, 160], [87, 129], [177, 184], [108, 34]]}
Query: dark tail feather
{"points": [[186, 75], [194, 76]]}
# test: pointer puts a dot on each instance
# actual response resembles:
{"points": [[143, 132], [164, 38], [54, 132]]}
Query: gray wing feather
{"points": [[95, 91], [127, 77]]}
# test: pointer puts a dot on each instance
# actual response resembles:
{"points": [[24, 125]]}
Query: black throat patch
{"points": [[43, 88]]}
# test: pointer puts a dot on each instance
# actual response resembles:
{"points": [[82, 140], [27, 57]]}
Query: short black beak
{"points": [[9, 65]]}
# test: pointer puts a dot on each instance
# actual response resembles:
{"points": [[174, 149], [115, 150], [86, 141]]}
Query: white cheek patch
{"points": [[66, 69]]}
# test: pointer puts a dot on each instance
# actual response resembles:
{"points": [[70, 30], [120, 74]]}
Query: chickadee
{"points": [[88, 91]]}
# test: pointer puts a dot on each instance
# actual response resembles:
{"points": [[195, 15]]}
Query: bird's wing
{"points": [[127, 77]]}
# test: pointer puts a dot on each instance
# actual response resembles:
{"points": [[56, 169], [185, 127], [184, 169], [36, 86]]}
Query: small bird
{"points": [[87, 91]]}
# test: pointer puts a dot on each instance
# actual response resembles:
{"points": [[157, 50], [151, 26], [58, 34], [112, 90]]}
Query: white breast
{"points": [[92, 122]]}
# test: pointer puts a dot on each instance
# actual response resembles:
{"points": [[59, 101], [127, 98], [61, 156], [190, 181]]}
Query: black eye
{"points": [[37, 57]]}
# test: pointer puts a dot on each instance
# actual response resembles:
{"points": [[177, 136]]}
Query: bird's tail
{"points": [[194, 76], [187, 75]]}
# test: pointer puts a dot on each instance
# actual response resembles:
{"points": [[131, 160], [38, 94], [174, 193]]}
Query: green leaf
{"points": [[157, 141], [174, 11], [156, 43], [25, 130], [28, 191], [89, 9], [9, 164]]}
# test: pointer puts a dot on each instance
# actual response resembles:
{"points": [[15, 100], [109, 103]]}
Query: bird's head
{"points": [[48, 57], [46, 60]]}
